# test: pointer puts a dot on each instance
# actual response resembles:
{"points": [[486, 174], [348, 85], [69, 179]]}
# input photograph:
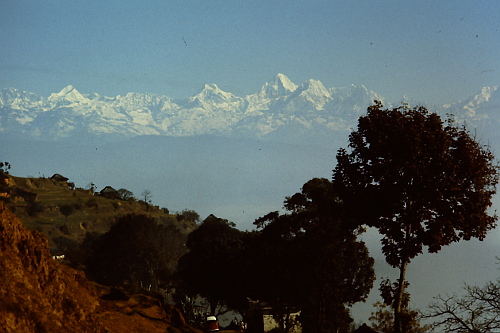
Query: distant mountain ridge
{"points": [[279, 110]]}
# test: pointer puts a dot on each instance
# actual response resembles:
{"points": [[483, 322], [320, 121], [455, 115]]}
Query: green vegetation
{"points": [[74, 218], [313, 249], [137, 251], [308, 260], [215, 265], [382, 320]]}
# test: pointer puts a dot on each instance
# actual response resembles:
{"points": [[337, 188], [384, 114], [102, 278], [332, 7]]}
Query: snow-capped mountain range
{"points": [[280, 110]]}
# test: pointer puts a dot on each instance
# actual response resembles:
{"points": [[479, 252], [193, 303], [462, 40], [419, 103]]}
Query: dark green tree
{"points": [[383, 318], [273, 269], [190, 215], [125, 194], [67, 209], [419, 181], [213, 266], [317, 264], [138, 251]]}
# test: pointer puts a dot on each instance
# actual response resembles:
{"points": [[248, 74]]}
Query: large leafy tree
{"points": [[213, 267], [419, 181], [319, 265], [274, 268], [137, 250]]}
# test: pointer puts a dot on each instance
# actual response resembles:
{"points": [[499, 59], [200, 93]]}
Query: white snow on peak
{"points": [[313, 89], [285, 82], [211, 86], [67, 89], [279, 106], [487, 94], [212, 91], [315, 86], [360, 94], [68, 93], [208, 90], [279, 86]]}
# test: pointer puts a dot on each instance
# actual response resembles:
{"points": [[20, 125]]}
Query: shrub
{"points": [[34, 208], [67, 209]]}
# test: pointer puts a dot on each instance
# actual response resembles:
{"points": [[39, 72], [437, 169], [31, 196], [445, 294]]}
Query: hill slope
{"points": [[66, 215]]}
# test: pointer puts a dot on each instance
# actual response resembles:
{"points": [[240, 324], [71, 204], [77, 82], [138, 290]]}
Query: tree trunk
{"points": [[400, 295], [213, 307]]}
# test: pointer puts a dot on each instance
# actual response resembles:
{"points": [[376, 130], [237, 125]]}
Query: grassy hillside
{"points": [[57, 209]]}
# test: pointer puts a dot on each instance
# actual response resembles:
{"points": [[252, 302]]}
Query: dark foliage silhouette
{"points": [[315, 262], [137, 251], [419, 181]]}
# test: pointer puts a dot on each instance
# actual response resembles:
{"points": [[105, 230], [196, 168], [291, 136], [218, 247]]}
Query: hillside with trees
{"points": [[78, 221], [56, 207]]}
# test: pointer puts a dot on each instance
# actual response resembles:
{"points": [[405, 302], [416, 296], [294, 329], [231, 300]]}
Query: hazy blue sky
{"points": [[434, 51]]}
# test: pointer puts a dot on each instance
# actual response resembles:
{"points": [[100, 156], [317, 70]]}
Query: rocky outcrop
{"points": [[37, 294]]}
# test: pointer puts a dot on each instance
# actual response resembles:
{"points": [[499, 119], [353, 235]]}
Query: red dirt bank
{"points": [[38, 294]]}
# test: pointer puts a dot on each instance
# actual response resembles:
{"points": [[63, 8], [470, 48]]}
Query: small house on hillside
{"points": [[110, 193], [59, 178]]}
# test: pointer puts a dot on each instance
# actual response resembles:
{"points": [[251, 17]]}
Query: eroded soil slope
{"points": [[39, 294]]}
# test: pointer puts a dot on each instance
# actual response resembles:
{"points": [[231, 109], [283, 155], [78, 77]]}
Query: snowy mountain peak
{"points": [[67, 90], [486, 93], [474, 105], [280, 110], [213, 97], [18, 99], [313, 88], [211, 87], [314, 85], [285, 82], [210, 90], [68, 93], [279, 86], [359, 93]]}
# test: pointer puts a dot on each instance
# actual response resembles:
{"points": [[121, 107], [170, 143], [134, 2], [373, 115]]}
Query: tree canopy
{"points": [[419, 181], [138, 251], [212, 267], [316, 264]]}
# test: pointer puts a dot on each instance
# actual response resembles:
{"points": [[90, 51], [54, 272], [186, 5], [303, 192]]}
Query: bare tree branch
{"points": [[477, 311]]}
